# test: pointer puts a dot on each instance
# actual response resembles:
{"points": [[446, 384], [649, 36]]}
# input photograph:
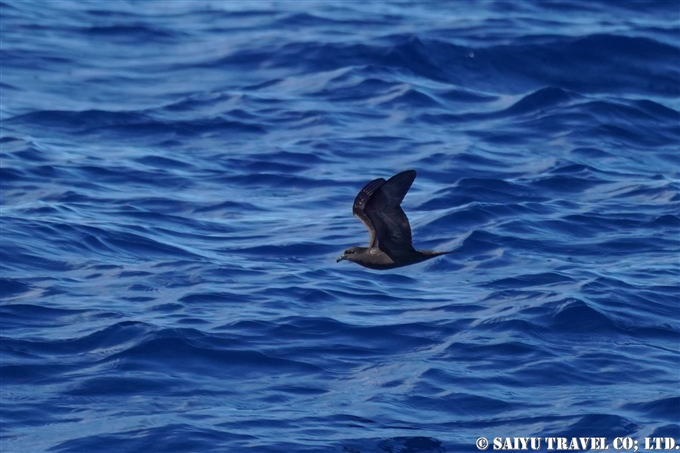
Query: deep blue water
{"points": [[177, 180]]}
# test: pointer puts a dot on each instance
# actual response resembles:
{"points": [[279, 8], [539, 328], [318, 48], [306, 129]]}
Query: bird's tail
{"points": [[431, 254]]}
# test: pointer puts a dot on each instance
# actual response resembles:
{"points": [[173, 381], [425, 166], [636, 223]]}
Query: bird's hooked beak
{"points": [[342, 257]]}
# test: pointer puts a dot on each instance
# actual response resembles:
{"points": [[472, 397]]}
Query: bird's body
{"points": [[378, 207]]}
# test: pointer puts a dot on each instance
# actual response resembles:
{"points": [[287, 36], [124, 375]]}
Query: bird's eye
{"points": [[349, 251]]}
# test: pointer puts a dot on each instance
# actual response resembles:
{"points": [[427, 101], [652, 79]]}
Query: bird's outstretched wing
{"points": [[391, 228], [360, 203]]}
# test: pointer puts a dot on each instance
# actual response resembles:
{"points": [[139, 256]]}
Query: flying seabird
{"points": [[390, 245]]}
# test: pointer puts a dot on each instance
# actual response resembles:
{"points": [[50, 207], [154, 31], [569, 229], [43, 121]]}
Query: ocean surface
{"points": [[177, 182]]}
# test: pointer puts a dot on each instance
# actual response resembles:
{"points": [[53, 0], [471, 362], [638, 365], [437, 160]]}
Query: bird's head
{"points": [[351, 254]]}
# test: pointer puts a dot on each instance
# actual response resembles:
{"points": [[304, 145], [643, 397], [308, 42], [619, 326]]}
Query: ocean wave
{"points": [[177, 184]]}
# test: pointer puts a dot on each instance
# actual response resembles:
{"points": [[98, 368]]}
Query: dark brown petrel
{"points": [[390, 245]]}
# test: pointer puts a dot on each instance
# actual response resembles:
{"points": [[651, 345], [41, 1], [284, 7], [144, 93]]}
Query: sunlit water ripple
{"points": [[177, 180]]}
